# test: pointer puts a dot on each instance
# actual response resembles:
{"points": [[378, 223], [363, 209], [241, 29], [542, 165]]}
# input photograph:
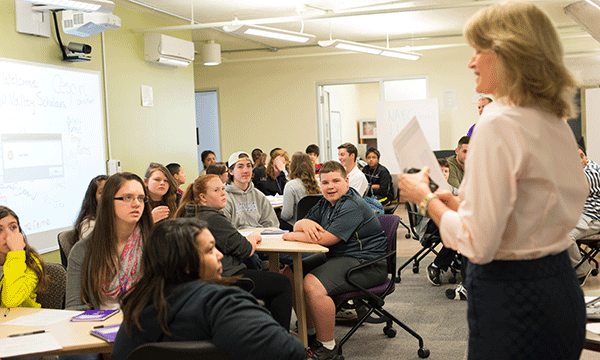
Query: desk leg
{"points": [[274, 262], [299, 294]]}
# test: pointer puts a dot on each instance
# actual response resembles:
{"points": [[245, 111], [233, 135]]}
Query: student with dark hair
{"points": [[103, 266], [313, 150], [204, 200], [87, 215], [207, 157], [379, 177], [180, 297], [220, 169], [347, 154], [162, 191], [177, 172], [275, 175], [259, 171], [23, 269], [457, 162], [483, 101]]}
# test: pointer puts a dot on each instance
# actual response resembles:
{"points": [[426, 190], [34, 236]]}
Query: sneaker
{"points": [[346, 315], [320, 352], [460, 293], [433, 274], [583, 279]]}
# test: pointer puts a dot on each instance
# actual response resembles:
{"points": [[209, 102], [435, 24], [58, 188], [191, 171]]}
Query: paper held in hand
{"points": [[412, 150]]}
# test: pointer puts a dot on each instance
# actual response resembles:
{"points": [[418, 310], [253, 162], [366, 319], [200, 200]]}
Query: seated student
{"points": [[219, 169], [107, 261], [246, 206], [445, 256], [275, 175], [589, 221], [457, 162], [379, 178], [312, 150], [344, 223], [177, 172], [347, 154], [180, 297], [204, 199], [162, 191], [87, 215], [302, 183], [207, 157], [260, 160], [22, 272]]}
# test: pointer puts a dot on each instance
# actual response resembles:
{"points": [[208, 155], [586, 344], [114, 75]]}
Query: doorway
{"points": [[207, 124]]}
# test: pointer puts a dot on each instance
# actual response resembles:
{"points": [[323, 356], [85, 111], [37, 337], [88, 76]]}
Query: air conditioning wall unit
{"points": [[167, 50]]}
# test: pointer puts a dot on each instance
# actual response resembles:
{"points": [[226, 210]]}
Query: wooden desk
{"points": [[74, 337], [592, 340], [273, 245]]}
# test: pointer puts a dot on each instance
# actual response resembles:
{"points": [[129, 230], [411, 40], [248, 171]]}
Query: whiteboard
{"points": [[393, 116], [52, 144]]}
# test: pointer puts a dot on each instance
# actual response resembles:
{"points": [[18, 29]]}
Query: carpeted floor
{"points": [[441, 322]]}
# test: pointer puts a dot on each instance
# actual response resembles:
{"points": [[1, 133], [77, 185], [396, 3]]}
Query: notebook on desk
{"points": [[107, 333], [95, 315], [592, 308]]}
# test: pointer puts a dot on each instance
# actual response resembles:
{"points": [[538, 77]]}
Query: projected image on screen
{"points": [[52, 145]]}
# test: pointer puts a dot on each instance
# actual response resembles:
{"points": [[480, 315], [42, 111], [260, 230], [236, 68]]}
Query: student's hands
{"points": [[414, 187], [448, 199], [310, 228], [375, 186], [159, 213], [279, 163], [15, 240], [254, 239]]}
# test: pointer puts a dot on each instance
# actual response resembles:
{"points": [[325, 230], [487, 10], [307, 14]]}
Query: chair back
{"points": [[389, 224], [306, 203], [54, 296], [413, 218], [66, 240], [180, 350]]}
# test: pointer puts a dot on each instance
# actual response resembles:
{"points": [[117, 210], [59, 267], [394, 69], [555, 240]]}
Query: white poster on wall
{"points": [[393, 116]]}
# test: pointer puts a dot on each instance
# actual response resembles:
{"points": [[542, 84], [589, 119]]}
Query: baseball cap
{"points": [[235, 157]]}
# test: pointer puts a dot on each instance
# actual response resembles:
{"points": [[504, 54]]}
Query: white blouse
{"points": [[523, 189]]}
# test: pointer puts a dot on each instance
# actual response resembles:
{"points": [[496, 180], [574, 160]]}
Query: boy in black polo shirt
{"points": [[344, 223]]}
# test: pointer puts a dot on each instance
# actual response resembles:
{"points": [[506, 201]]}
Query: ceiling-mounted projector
{"points": [[81, 23]]}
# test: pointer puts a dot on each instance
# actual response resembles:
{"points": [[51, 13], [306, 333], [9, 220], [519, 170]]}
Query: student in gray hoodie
{"points": [[246, 206]]}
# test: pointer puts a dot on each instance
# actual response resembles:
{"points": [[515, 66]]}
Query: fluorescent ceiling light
{"points": [[587, 15], [103, 6], [370, 49], [263, 31], [595, 3]]}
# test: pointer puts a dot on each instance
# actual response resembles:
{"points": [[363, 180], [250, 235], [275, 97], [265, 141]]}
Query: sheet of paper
{"points": [[28, 344], [43, 318], [412, 150], [593, 327]]}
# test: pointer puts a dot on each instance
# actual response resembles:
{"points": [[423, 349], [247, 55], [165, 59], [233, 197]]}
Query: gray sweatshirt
{"points": [[249, 209]]}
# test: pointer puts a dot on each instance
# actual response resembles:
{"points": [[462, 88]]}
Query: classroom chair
{"points": [[306, 203], [54, 296], [373, 299], [66, 240], [589, 247], [180, 350]]}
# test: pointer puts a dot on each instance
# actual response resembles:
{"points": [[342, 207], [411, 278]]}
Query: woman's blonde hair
{"points": [[270, 172], [530, 56]]}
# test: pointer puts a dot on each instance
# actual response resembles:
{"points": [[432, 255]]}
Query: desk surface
{"points": [[274, 243], [74, 337]]}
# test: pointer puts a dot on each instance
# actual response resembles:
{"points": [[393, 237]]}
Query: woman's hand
{"points": [[160, 213], [279, 163], [15, 240], [414, 187], [448, 199]]}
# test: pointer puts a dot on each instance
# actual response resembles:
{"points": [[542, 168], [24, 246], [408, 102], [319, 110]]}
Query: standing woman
{"points": [[379, 178], [204, 200], [180, 297], [522, 193], [22, 268], [162, 191], [104, 266], [302, 183], [276, 176]]}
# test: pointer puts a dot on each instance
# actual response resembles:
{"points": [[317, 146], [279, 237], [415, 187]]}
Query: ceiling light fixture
{"points": [[595, 3], [263, 31], [211, 53], [103, 6], [586, 14], [370, 49]]}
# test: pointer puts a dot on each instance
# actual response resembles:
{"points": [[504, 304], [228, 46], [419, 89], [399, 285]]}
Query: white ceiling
{"points": [[417, 23]]}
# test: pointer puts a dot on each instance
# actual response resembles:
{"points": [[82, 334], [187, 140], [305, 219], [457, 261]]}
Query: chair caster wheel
{"points": [[423, 353], [594, 272], [398, 280], [407, 236], [415, 268], [390, 331]]}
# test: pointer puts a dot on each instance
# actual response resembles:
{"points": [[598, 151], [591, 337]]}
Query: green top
{"points": [[456, 172]]}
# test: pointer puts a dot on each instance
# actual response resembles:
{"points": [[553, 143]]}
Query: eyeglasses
{"points": [[129, 198]]}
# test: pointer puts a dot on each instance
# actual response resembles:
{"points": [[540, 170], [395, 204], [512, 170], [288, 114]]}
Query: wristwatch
{"points": [[423, 204]]}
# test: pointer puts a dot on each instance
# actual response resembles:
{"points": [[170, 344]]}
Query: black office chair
{"points": [[180, 350], [66, 240], [54, 296], [306, 203], [373, 299], [589, 247]]}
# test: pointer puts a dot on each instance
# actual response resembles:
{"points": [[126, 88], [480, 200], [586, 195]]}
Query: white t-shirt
{"points": [[358, 181]]}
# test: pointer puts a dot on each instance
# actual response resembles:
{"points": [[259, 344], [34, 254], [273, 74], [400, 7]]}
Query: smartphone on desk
{"points": [[432, 185]]}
